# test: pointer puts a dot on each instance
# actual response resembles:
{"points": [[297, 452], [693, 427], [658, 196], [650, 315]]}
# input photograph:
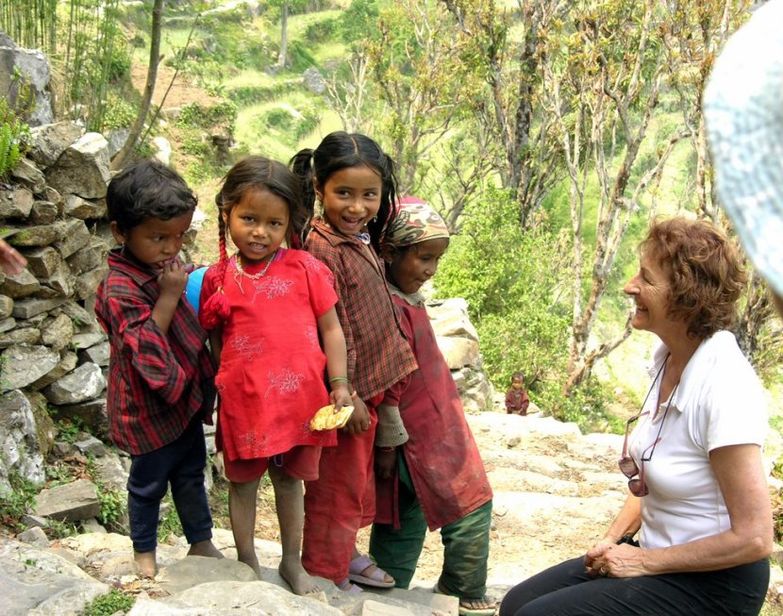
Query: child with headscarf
{"points": [[436, 479]]}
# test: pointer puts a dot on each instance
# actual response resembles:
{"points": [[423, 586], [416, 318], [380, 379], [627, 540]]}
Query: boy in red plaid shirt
{"points": [[160, 373]]}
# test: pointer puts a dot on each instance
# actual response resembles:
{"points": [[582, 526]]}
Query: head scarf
{"points": [[743, 110], [415, 222]]}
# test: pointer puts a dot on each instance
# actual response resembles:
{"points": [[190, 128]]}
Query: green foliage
{"points": [[300, 57], [17, 502], [359, 20], [59, 529], [169, 523], [296, 124], [108, 604], [12, 133], [200, 116], [114, 506], [118, 113]]}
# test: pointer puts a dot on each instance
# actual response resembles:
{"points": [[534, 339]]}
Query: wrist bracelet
{"points": [[387, 449], [338, 379]]}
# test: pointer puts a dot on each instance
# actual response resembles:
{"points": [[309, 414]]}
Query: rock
{"points": [[51, 140], [87, 283], [89, 257], [29, 175], [162, 150], [111, 473], [93, 526], [314, 81], [28, 308], [233, 597], [84, 383], [20, 336], [195, 570], [83, 168], [24, 81], [82, 208], [44, 212], [6, 307], [58, 333], [15, 202], [30, 520], [61, 281], [89, 445], [38, 582], [20, 285], [70, 502], [22, 365], [97, 354], [40, 235], [116, 138], [34, 536], [459, 352], [7, 324], [449, 317], [20, 451], [75, 235], [84, 341], [67, 363], [43, 262], [80, 316]]}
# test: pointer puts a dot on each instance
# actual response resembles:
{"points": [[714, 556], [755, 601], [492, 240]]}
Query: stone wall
{"points": [[52, 350]]}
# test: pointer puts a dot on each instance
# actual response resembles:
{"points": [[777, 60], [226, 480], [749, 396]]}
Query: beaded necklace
{"points": [[240, 271]]}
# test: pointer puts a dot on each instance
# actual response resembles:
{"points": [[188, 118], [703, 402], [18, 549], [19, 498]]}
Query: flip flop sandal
{"points": [[464, 610], [376, 579], [346, 586]]}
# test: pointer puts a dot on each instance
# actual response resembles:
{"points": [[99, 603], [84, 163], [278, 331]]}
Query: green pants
{"points": [[465, 544]]}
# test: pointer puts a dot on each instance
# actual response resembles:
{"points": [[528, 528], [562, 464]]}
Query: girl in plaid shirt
{"points": [[352, 180]]}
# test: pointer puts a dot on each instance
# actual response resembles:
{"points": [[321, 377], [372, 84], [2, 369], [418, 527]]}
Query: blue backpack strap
{"points": [[193, 287]]}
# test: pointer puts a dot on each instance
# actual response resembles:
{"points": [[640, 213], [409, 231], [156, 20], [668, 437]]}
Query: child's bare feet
{"points": [[298, 579], [252, 562], [204, 548], [146, 565]]}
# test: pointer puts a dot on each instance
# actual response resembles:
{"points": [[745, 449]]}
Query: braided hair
{"points": [[251, 173]]}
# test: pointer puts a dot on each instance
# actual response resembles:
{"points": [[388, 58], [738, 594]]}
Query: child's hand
{"points": [[385, 461], [340, 397], [173, 278], [360, 418]]}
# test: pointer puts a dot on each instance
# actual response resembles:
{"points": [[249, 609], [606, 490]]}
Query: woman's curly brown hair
{"points": [[705, 273]]}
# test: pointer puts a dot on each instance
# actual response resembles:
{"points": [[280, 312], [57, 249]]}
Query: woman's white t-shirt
{"points": [[718, 402]]}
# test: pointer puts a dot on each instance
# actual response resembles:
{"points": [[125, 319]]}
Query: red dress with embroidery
{"points": [[272, 367]]}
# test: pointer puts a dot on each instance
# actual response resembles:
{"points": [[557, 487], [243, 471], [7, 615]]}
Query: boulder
{"points": [[83, 168], [64, 366], [22, 365], [459, 352], [58, 332], [81, 318], [27, 174], [89, 257], [7, 324], [97, 354], [61, 281], [75, 235], [70, 502], [6, 307], [15, 202], [38, 582], [84, 341], [20, 285], [84, 383], [87, 444], [20, 336], [28, 308], [24, 81], [91, 413], [38, 235], [78, 207], [51, 140], [20, 451], [87, 283], [43, 261], [313, 81], [34, 536], [44, 212], [449, 318]]}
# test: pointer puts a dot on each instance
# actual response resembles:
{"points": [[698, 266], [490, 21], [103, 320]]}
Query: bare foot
{"points": [[252, 562], [204, 548], [298, 579], [146, 565]]}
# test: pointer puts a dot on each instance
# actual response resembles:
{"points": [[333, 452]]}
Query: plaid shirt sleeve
{"points": [[152, 357]]}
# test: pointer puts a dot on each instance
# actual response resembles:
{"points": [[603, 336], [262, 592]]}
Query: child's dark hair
{"points": [[147, 189], [337, 151], [518, 376], [253, 173]]}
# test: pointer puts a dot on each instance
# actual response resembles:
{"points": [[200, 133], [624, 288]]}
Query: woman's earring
{"points": [[375, 219]]}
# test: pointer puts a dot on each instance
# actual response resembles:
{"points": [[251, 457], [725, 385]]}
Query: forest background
{"points": [[548, 133]]}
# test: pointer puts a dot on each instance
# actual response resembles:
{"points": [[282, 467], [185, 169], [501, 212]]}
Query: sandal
{"points": [[346, 586], [363, 570], [468, 607]]}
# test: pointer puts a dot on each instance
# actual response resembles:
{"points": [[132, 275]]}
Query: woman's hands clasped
{"points": [[609, 559]]}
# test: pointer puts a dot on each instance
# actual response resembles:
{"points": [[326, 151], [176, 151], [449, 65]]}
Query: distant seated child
{"points": [[517, 400], [160, 372]]}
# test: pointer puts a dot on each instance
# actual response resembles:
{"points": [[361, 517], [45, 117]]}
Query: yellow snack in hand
{"points": [[327, 419]]}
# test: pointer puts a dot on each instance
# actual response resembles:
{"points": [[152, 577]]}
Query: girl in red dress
{"points": [[353, 180], [265, 308]]}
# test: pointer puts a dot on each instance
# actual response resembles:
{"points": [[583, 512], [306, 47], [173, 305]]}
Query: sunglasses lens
{"points": [[637, 488], [628, 467]]}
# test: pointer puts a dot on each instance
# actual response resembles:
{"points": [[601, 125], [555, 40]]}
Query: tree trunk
{"points": [[149, 88], [282, 57]]}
